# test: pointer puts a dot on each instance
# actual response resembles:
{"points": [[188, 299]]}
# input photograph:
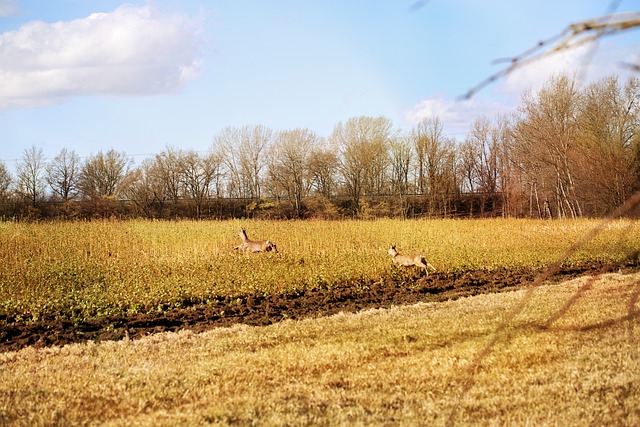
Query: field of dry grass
{"points": [[564, 354], [569, 356]]}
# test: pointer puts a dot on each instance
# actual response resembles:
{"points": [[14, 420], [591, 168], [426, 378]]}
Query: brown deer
{"points": [[250, 246], [409, 260]]}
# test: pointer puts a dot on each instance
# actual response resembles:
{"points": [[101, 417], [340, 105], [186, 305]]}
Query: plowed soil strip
{"points": [[264, 310]]}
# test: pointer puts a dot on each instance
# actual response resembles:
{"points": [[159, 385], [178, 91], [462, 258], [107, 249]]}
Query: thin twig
{"points": [[575, 35]]}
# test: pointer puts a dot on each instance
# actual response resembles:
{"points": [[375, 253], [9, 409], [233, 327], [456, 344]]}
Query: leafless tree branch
{"points": [[575, 35]]}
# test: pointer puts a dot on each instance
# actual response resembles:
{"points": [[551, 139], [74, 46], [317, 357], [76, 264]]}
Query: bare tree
{"points": [[363, 144], [199, 173], [103, 175], [254, 141], [488, 151], [168, 170], [484, 137], [546, 132], [62, 174], [31, 181], [288, 165], [447, 185], [323, 167], [401, 153], [147, 190], [435, 157], [469, 154], [225, 144], [243, 152], [5, 181], [609, 135], [507, 179], [427, 138]]}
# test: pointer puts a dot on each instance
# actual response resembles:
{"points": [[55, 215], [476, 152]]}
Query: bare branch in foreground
{"points": [[575, 35]]}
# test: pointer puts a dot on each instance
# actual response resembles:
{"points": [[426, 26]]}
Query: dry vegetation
{"points": [[403, 366], [558, 354]]}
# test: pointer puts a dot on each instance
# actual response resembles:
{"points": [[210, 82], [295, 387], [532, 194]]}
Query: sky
{"points": [[142, 76]]}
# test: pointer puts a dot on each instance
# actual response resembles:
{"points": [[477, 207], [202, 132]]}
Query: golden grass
{"points": [[87, 269], [407, 366], [402, 366]]}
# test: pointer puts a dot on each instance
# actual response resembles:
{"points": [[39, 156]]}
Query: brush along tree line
{"points": [[567, 151]]}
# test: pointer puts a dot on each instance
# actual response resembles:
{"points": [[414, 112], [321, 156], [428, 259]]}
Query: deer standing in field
{"points": [[251, 246], [409, 260]]}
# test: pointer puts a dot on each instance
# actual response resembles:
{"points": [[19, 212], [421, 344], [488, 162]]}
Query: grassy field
{"points": [[563, 354], [569, 356], [82, 270]]}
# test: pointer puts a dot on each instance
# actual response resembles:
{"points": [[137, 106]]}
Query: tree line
{"points": [[567, 151]]}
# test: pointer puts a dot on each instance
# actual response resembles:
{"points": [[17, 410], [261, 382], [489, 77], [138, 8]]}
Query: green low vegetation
{"points": [[80, 270]]}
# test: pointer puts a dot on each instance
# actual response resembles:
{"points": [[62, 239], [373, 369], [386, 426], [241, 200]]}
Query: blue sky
{"points": [[140, 76]]}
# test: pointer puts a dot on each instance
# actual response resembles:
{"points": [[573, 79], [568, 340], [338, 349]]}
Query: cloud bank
{"points": [[128, 52]]}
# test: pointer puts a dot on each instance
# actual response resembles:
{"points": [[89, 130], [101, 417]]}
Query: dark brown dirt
{"points": [[402, 287]]}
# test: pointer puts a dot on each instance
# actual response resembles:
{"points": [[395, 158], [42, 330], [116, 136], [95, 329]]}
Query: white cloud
{"points": [[130, 51], [533, 75], [588, 63], [503, 96], [8, 8], [445, 109], [457, 116]]}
